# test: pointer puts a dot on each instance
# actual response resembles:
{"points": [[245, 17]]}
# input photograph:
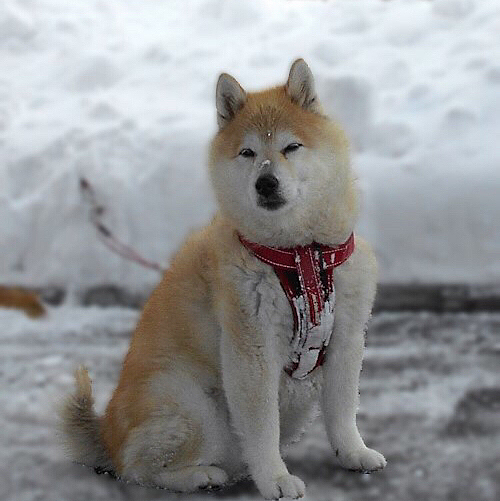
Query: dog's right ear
{"points": [[229, 98]]}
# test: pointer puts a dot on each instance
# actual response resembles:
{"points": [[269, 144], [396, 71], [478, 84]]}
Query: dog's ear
{"points": [[300, 86], [229, 98]]}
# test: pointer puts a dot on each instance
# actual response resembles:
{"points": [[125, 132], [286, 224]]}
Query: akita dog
{"points": [[260, 319]]}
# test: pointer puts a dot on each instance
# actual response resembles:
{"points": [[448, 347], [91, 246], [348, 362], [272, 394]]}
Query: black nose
{"points": [[266, 185]]}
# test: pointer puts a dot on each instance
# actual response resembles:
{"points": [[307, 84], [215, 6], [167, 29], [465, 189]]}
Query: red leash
{"points": [[105, 234]]}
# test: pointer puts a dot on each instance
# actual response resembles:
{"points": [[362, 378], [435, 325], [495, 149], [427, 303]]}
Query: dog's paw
{"points": [[283, 486], [363, 459], [209, 477], [192, 478]]}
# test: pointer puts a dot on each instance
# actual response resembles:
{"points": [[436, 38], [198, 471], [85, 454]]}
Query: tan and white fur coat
{"points": [[203, 398]]}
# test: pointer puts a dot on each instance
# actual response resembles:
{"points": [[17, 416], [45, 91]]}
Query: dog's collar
{"points": [[287, 258]]}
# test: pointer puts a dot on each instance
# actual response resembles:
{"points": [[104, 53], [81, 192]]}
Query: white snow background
{"points": [[122, 92]]}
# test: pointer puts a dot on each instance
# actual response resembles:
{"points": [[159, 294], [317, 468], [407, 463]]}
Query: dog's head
{"points": [[279, 167]]}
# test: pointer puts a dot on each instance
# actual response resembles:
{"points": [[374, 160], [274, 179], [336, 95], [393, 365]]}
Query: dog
{"points": [[22, 299], [258, 323]]}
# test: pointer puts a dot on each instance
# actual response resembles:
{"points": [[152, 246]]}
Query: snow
{"points": [[123, 94], [430, 395]]}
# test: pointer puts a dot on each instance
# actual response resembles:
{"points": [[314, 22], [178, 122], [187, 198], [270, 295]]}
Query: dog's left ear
{"points": [[300, 86]]}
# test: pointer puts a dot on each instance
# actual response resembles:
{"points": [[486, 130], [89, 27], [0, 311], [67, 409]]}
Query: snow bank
{"points": [[122, 93]]}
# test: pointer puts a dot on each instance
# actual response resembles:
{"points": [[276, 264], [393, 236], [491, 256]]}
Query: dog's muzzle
{"points": [[267, 188]]}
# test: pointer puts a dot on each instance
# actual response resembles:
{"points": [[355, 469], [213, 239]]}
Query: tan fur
{"points": [[164, 336], [202, 394], [22, 299]]}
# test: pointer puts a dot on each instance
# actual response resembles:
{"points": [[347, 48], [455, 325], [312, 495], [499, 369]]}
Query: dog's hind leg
{"points": [[181, 447], [166, 451]]}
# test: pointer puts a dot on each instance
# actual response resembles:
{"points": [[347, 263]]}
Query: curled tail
{"points": [[80, 426]]}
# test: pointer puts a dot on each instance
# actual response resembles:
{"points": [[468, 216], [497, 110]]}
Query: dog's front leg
{"points": [[340, 397], [250, 374]]}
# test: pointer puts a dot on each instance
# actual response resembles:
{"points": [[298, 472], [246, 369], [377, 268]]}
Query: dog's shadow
{"points": [[308, 469], [319, 470]]}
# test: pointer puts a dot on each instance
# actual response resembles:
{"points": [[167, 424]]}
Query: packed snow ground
{"points": [[122, 92], [430, 396]]}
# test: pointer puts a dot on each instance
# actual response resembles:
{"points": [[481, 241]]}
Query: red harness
{"points": [[306, 275]]}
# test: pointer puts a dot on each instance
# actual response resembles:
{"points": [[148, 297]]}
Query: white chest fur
{"points": [[270, 311], [310, 340]]}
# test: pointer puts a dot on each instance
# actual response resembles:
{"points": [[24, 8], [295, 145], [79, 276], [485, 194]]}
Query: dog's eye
{"points": [[291, 147], [247, 153]]}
